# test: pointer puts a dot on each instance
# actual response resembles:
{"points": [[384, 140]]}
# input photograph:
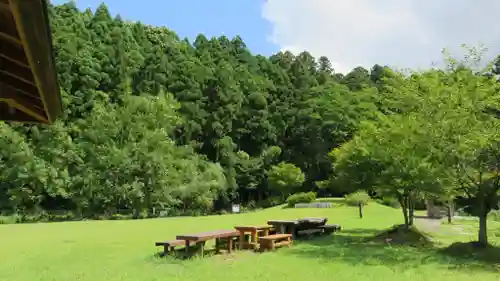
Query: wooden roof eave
{"points": [[32, 23]]}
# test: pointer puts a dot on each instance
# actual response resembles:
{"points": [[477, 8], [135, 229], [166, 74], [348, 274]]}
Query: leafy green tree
{"points": [[390, 158], [285, 178]]}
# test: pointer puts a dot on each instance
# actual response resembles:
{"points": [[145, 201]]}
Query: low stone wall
{"points": [[314, 205], [438, 212]]}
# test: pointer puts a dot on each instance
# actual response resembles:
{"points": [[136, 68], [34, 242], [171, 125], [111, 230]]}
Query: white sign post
{"points": [[236, 208]]}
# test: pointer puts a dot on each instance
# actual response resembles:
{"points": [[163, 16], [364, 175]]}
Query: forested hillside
{"points": [[153, 122]]}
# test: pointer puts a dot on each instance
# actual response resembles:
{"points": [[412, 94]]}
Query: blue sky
{"points": [[188, 18]]}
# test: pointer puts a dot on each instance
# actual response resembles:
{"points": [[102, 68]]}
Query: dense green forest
{"points": [[155, 124]]}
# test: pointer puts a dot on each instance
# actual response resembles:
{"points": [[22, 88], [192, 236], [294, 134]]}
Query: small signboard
{"points": [[236, 208]]}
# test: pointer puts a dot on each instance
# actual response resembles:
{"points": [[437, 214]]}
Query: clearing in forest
{"points": [[124, 250]]}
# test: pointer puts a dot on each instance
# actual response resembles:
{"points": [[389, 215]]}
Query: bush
{"points": [[301, 197], [354, 199], [270, 202], [389, 201]]}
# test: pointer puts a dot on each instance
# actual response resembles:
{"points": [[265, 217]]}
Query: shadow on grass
{"points": [[192, 253], [396, 250]]}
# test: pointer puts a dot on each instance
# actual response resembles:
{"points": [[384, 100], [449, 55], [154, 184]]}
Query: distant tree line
{"points": [[154, 123]]}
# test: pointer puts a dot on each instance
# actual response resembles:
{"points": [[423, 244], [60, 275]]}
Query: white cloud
{"points": [[399, 33]]}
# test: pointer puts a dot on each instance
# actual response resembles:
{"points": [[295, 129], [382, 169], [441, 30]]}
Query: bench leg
{"points": [[263, 245], [272, 246]]}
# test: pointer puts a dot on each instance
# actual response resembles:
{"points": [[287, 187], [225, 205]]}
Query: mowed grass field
{"points": [[124, 250]]}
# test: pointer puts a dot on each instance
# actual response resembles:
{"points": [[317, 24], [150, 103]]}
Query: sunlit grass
{"points": [[124, 250]]}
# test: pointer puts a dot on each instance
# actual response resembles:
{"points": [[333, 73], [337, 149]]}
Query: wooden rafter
{"points": [[9, 96], [13, 54], [35, 36], [28, 89], [16, 71], [4, 6]]}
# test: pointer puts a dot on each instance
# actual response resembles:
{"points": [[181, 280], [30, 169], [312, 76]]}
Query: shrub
{"points": [[389, 201], [301, 197], [270, 202], [354, 199]]}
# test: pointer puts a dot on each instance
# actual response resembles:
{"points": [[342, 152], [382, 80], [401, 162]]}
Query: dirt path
{"points": [[434, 226], [428, 225]]}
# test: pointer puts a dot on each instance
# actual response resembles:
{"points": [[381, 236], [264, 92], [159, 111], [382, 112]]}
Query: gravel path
{"points": [[434, 225], [428, 225]]}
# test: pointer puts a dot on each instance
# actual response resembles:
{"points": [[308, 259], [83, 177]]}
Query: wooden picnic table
{"points": [[253, 230], [293, 226], [202, 237]]}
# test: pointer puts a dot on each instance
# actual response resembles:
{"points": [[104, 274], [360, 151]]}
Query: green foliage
{"points": [[158, 125], [357, 198], [389, 201], [285, 178], [301, 197]]}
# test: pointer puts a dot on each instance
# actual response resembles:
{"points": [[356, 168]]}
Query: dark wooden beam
{"points": [[9, 96], [32, 24], [15, 55], [13, 40], [9, 113], [16, 71], [4, 6], [19, 85]]}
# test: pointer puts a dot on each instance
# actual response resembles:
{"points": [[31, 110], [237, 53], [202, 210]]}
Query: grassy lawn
{"points": [[124, 250]]}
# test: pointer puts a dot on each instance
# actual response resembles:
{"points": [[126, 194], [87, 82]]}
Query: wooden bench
{"points": [[270, 242], [170, 245], [223, 239], [330, 228]]}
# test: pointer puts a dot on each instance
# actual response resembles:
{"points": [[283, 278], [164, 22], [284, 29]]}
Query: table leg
{"points": [[186, 249], [282, 229], [217, 245], [229, 244], [242, 239], [293, 231], [265, 232], [253, 238], [202, 249]]}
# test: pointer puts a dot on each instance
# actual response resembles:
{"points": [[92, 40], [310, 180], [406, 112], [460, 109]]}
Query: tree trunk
{"points": [[411, 208], [403, 201], [483, 235], [360, 205], [449, 210]]}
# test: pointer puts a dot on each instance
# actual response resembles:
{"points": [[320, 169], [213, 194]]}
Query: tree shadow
{"points": [[371, 247], [473, 252], [192, 253]]}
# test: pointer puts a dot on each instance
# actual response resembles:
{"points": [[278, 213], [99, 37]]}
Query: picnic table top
{"points": [[282, 222], [298, 221], [204, 236], [252, 227], [313, 219]]}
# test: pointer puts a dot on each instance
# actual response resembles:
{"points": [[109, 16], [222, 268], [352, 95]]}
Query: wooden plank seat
{"points": [[270, 242], [330, 228], [249, 235], [169, 245]]}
